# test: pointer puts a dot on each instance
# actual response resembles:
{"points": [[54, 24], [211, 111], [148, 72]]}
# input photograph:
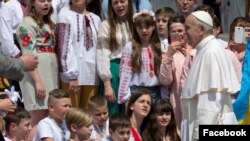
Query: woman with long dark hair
{"points": [[141, 59], [165, 128], [113, 34], [138, 109]]}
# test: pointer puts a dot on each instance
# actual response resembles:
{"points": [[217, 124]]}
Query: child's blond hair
{"points": [[78, 117]]}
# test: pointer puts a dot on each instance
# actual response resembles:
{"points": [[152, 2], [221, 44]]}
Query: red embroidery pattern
{"points": [[126, 70], [78, 28], [151, 66], [89, 40], [43, 49], [63, 34], [46, 36], [26, 39]]}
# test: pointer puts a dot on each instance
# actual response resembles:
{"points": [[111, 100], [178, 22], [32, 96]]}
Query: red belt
{"points": [[42, 49]]}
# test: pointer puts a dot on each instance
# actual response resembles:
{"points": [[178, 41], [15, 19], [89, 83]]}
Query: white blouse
{"points": [[146, 77], [104, 54], [77, 46]]}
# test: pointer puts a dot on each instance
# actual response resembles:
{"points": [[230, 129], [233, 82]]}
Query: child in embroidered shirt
{"points": [[119, 128], [53, 127], [113, 34], [17, 125], [141, 58], [77, 43], [79, 123], [35, 35], [98, 107]]}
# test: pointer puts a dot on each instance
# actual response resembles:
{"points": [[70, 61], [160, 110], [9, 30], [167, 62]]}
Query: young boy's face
{"points": [[84, 132], [120, 134], [23, 129], [100, 115], [162, 25], [59, 107]]}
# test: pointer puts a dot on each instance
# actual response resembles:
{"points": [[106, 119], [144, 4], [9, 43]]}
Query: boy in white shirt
{"points": [[162, 16], [97, 106], [53, 127]]}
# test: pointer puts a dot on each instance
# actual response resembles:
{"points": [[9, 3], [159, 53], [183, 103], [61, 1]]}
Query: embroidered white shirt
{"points": [[77, 62], [98, 133], [145, 78], [104, 54]]}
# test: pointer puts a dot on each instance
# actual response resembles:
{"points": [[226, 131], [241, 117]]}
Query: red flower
{"points": [[25, 44], [43, 49], [26, 40], [49, 49]]}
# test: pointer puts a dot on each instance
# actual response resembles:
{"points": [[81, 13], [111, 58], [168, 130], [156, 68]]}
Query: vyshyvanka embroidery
{"points": [[25, 38], [63, 34]]}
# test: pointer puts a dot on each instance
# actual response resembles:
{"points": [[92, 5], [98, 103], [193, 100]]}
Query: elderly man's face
{"points": [[186, 6], [193, 31]]}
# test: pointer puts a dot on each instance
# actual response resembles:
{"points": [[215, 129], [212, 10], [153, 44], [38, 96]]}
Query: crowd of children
{"points": [[111, 70]]}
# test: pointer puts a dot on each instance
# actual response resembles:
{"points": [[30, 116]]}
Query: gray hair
{"points": [[208, 28]]}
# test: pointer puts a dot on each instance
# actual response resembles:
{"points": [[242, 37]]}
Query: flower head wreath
{"points": [[150, 13]]}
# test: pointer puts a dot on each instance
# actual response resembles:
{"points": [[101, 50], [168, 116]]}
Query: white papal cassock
{"points": [[206, 93]]}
